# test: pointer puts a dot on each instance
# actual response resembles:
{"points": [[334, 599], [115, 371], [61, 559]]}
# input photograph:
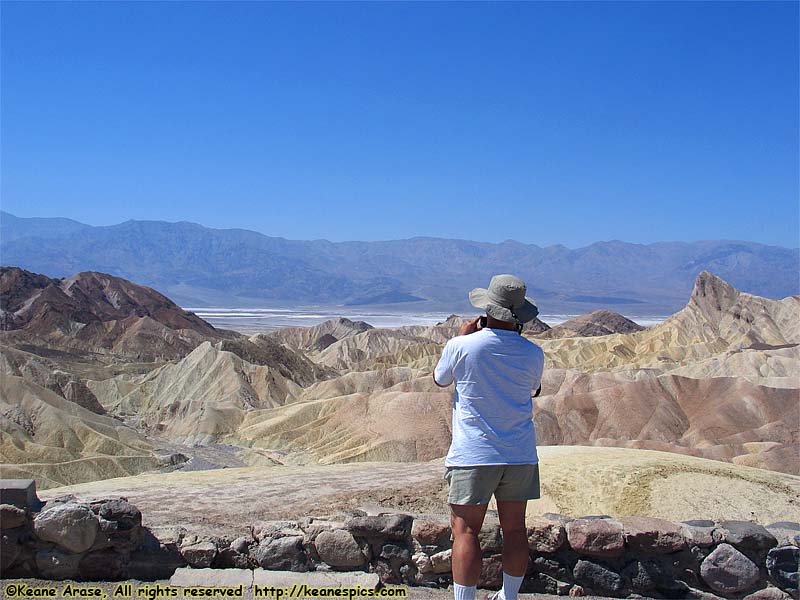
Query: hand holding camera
{"points": [[472, 325]]}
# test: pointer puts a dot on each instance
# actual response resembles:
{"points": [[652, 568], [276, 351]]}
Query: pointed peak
{"points": [[202, 351], [713, 292], [357, 325], [708, 282]]}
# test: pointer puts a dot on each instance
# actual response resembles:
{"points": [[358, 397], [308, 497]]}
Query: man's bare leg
{"points": [[466, 521], [515, 546]]}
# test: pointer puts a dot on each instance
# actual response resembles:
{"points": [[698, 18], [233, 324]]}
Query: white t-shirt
{"points": [[495, 372]]}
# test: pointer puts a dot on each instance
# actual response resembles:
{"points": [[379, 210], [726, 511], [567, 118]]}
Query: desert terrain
{"points": [[110, 388]]}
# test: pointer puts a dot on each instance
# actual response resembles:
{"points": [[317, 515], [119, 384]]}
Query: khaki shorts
{"points": [[475, 485]]}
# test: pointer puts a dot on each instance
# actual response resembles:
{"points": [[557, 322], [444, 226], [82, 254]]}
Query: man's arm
{"points": [[444, 367]]}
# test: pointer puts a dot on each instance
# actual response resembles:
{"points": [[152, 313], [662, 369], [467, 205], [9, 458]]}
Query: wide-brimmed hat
{"points": [[505, 300]]}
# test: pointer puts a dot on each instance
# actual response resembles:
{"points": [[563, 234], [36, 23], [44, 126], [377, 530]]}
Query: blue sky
{"points": [[541, 122]]}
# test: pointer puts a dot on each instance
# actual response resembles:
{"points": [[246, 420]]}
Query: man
{"points": [[493, 451]]}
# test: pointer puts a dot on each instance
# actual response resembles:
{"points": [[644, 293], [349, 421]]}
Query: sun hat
{"points": [[505, 299]]}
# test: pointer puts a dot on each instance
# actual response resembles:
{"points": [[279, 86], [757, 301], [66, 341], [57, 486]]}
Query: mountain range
{"points": [[199, 266]]}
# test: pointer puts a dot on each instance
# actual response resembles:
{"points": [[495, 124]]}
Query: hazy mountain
{"points": [[16, 227], [200, 266]]}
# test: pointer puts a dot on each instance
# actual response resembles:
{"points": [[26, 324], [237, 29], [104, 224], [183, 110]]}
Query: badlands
{"points": [[110, 388]]}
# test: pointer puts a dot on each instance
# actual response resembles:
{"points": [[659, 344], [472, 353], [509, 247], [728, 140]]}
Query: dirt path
{"points": [[225, 501], [576, 481]]}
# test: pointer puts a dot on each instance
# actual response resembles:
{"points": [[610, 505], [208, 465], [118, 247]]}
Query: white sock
{"points": [[511, 586], [464, 592]]}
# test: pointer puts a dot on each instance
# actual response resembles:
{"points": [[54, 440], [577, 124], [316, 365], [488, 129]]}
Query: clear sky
{"points": [[541, 122]]}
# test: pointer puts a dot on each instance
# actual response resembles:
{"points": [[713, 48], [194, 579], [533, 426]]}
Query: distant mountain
{"points": [[12, 227], [200, 266]]}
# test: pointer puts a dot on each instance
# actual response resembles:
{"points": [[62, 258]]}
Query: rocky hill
{"points": [[57, 442], [201, 398], [597, 322], [308, 338], [96, 312], [724, 418], [718, 318]]}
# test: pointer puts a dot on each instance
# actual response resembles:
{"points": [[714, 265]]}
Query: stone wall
{"points": [[627, 557]]}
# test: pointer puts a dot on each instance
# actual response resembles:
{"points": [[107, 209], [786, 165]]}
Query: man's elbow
{"points": [[439, 384]]}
